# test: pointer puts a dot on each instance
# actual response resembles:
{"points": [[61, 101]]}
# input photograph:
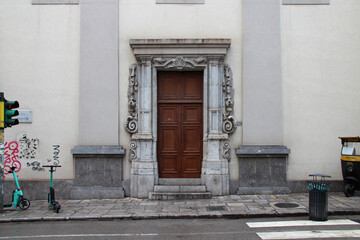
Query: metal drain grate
{"points": [[286, 205], [216, 208]]}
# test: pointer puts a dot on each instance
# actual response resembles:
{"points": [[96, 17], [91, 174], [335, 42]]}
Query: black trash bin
{"points": [[318, 197]]}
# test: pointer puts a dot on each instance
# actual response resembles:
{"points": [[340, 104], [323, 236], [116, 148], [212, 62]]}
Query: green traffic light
{"points": [[9, 113]]}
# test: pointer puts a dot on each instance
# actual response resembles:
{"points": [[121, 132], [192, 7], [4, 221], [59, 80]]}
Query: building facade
{"points": [[157, 98]]}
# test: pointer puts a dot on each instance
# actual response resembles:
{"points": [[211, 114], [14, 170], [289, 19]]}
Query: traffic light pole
{"points": [[2, 146], [2, 170], [6, 120]]}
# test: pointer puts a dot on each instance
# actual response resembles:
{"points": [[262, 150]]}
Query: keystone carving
{"points": [[229, 122], [131, 124], [180, 62]]}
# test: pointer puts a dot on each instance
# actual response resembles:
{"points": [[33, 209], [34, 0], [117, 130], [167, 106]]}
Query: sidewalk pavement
{"points": [[233, 206]]}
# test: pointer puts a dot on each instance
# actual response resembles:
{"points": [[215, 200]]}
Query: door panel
{"points": [[191, 140], [192, 114], [168, 114], [191, 167], [168, 88], [180, 126], [169, 164], [192, 89], [170, 134]]}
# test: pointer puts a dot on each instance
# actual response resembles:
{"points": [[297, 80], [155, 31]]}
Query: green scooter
{"points": [[18, 199], [53, 204]]}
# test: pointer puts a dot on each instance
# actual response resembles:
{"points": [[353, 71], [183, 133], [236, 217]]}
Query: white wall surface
{"points": [[321, 84], [39, 67], [143, 19]]}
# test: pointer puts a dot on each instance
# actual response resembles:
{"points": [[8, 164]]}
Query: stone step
{"points": [[179, 181], [182, 189], [178, 195]]}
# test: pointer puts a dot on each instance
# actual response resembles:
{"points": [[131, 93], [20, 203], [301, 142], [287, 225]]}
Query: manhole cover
{"points": [[216, 208], [286, 205]]}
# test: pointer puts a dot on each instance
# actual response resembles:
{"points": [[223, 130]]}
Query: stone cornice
{"points": [[174, 47], [99, 150], [262, 150]]}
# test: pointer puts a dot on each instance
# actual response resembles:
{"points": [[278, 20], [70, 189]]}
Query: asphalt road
{"points": [[200, 229]]}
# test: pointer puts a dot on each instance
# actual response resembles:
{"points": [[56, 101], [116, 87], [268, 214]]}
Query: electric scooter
{"points": [[53, 204], [17, 199]]}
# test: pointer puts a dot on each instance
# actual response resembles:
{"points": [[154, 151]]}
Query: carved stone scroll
{"points": [[229, 122], [132, 147], [131, 124], [226, 147]]}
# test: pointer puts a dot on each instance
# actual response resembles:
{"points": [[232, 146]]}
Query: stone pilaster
{"points": [[144, 171], [215, 168]]}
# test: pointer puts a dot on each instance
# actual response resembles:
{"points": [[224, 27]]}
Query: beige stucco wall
{"points": [[39, 67], [143, 19], [40, 47], [321, 46]]}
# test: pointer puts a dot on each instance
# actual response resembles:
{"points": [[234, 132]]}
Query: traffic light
{"points": [[7, 112]]}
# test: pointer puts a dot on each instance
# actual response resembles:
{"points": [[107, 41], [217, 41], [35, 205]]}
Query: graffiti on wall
{"points": [[11, 156], [23, 153], [35, 166], [56, 153], [28, 147]]}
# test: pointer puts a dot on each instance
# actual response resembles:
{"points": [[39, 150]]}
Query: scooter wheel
{"points": [[24, 204], [57, 207], [349, 190]]}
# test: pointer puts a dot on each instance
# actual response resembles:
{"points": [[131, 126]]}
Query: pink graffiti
{"points": [[11, 156]]}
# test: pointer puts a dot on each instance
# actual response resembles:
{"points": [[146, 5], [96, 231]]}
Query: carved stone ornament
{"points": [[226, 147], [229, 122], [132, 147], [131, 124], [179, 62]]}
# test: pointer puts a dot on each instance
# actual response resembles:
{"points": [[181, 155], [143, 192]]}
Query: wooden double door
{"points": [[180, 124]]}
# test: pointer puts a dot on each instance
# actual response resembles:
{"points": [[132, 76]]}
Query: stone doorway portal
{"points": [[180, 55]]}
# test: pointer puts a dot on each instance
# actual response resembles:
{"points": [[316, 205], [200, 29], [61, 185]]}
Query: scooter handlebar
{"points": [[51, 167], [12, 169]]}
